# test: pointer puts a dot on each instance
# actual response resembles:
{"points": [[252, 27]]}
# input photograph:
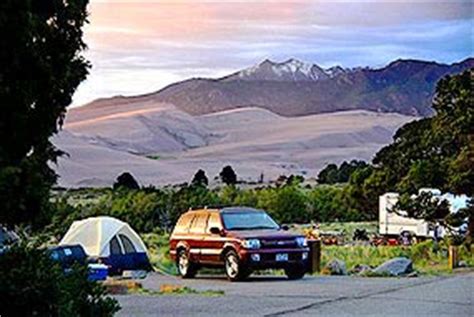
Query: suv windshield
{"points": [[248, 221]]}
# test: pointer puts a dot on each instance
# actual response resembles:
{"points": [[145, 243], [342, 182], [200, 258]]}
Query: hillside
{"points": [[294, 88]]}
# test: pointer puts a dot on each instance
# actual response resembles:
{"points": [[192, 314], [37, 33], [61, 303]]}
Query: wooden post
{"points": [[314, 256], [453, 257]]}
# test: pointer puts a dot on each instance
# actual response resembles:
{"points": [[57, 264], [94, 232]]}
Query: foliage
{"points": [[294, 179], [34, 285], [228, 175], [325, 203], [361, 193], [126, 180], [424, 206], [332, 174], [435, 152], [40, 68], [200, 178], [286, 204], [155, 210]]}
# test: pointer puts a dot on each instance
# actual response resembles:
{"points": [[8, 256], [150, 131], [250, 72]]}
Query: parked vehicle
{"points": [[239, 239], [69, 255], [396, 225]]}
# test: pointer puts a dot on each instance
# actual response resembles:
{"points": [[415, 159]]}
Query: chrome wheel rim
{"points": [[183, 264], [232, 266]]}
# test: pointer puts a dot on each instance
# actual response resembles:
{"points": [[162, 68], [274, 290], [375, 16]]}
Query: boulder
{"points": [[336, 267], [360, 269], [395, 267]]}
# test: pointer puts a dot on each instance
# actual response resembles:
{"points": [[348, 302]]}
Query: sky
{"points": [[142, 46]]}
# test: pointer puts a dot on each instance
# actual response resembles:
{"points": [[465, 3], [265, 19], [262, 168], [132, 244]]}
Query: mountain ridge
{"points": [[403, 86]]}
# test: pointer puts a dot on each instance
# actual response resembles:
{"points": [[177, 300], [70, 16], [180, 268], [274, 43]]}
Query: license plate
{"points": [[281, 257]]}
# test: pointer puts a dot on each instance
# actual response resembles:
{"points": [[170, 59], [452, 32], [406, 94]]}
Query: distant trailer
{"points": [[395, 224]]}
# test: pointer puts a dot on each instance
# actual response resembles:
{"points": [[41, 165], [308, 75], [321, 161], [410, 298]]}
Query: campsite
{"points": [[236, 158]]}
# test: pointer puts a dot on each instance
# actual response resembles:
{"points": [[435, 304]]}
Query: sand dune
{"points": [[104, 142], [142, 129]]}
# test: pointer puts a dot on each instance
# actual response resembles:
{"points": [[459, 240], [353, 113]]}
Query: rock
{"points": [[360, 269], [336, 267], [395, 267]]}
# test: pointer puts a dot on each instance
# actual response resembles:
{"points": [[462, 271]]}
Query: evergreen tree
{"points": [[228, 175], [40, 68], [126, 180], [200, 179]]}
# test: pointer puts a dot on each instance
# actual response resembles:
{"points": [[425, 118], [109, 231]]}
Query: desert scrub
{"points": [[158, 251], [425, 260]]}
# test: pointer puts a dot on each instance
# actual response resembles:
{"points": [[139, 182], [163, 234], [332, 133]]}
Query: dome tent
{"points": [[111, 240]]}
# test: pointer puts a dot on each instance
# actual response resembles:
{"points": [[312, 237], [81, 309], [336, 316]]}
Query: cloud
{"points": [[141, 46]]}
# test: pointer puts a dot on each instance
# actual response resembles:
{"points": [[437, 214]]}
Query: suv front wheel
{"points": [[234, 269], [186, 268]]}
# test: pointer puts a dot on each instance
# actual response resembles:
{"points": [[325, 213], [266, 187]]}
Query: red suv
{"points": [[239, 239]]}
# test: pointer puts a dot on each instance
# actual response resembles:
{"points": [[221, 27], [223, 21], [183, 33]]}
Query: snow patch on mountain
{"points": [[290, 70]]}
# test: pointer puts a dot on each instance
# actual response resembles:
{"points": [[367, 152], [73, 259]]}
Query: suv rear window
{"points": [[183, 223]]}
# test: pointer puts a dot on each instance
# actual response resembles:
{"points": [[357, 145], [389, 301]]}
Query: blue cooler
{"points": [[98, 272]]}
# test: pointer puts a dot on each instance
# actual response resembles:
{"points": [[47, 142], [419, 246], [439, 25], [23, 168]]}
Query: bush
{"points": [[286, 204], [33, 285]]}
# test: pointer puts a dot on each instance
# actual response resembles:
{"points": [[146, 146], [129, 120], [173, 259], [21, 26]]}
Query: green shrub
{"points": [[158, 251], [34, 285]]}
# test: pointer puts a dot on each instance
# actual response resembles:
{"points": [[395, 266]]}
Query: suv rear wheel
{"points": [[295, 273], [234, 269], [186, 268]]}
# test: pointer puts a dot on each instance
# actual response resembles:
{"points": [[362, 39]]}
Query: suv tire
{"points": [[295, 273], [186, 268], [234, 269]]}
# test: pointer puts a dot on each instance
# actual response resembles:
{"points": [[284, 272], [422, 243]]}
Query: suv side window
{"points": [[183, 223], [200, 223], [214, 221]]}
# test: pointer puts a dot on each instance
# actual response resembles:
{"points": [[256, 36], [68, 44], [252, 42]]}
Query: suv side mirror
{"points": [[285, 227], [215, 230]]}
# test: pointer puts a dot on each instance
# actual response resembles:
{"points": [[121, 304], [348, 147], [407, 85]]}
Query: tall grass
{"points": [[426, 258], [158, 249]]}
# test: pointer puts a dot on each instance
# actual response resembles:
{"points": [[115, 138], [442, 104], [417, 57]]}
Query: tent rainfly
{"points": [[111, 240]]}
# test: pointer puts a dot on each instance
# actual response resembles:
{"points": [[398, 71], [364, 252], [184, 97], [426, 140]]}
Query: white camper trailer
{"points": [[394, 224]]}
